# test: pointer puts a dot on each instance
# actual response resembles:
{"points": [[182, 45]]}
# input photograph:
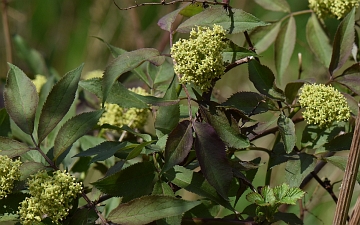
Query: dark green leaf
{"points": [[274, 5], [264, 80], [350, 78], [162, 188], [207, 209], [195, 183], [73, 129], [178, 145], [10, 204], [82, 217], [318, 40], [287, 132], [129, 183], [149, 208], [343, 42], [210, 151], [138, 149], [236, 21], [21, 99], [229, 133], [124, 63], [340, 162], [339, 143], [58, 102], [12, 148], [291, 90], [284, 46], [288, 218], [278, 155], [30, 168], [146, 137], [235, 52], [5, 128], [102, 151], [250, 103], [263, 37], [297, 169]]}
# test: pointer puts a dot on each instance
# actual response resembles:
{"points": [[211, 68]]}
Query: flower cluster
{"points": [[132, 117], [9, 172], [199, 59], [39, 81], [323, 105], [332, 8], [51, 196]]}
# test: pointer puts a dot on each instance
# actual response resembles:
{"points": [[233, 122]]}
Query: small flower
{"points": [[332, 8], [199, 59], [132, 117], [39, 81], [9, 173], [323, 105], [51, 196]]}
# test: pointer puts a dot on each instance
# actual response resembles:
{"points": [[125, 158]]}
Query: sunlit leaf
{"points": [[287, 132], [192, 9], [58, 102], [264, 37], [21, 99], [274, 5], [288, 195]]}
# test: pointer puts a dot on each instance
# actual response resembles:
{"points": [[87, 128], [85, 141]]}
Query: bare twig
{"points": [[225, 4], [347, 185], [5, 23], [238, 62]]}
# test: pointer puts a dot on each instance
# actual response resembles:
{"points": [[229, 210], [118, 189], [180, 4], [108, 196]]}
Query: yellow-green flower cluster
{"points": [[323, 105], [199, 59], [51, 196], [332, 8], [9, 172], [132, 117], [39, 81]]}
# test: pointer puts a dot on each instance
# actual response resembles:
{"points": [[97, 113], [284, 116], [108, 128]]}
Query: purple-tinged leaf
{"points": [[124, 63], [178, 145], [343, 42], [274, 5], [210, 151], [287, 132], [318, 41], [247, 102], [30, 168], [73, 129], [11, 147], [263, 37], [58, 102], [167, 21], [264, 80], [350, 78], [149, 208], [236, 21], [21, 99], [284, 46], [352, 103], [132, 182]]}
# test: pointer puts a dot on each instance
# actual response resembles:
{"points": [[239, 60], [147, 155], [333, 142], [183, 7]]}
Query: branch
{"points": [[225, 4]]}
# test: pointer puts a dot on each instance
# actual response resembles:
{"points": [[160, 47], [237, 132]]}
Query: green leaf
{"points": [[21, 99], [115, 51], [102, 151], [149, 208], [255, 198], [167, 117], [250, 103], [297, 169], [58, 102], [30, 168], [340, 162], [350, 78], [138, 149], [284, 46], [287, 132], [73, 129], [274, 5], [11, 147], [132, 182], [124, 63], [236, 21], [343, 42], [339, 143], [5, 128], [235, 52], [229, 133], [178, 145], [195, 183], [162, 73], [292, 89], [210, 151], [263, 37], [288, 218], [82, 216], [318, 40], [264, 80], [288, 195], [162, 188], [146, 137], [192, 9]]}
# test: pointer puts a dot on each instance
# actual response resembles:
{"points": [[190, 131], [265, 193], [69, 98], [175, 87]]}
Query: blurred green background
{"points": [[63, 32]]}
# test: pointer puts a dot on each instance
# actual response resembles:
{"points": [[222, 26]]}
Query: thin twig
{"points": [[172, 2], [5, 23], [92, 205], [347, 185], [37, 147], [238, 62]]}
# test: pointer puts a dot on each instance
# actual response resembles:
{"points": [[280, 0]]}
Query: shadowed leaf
{"points": [[274, 5], [12, 148], [30, 168], [340, 162], [287, 132], [247, 102], [263, 37]]}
